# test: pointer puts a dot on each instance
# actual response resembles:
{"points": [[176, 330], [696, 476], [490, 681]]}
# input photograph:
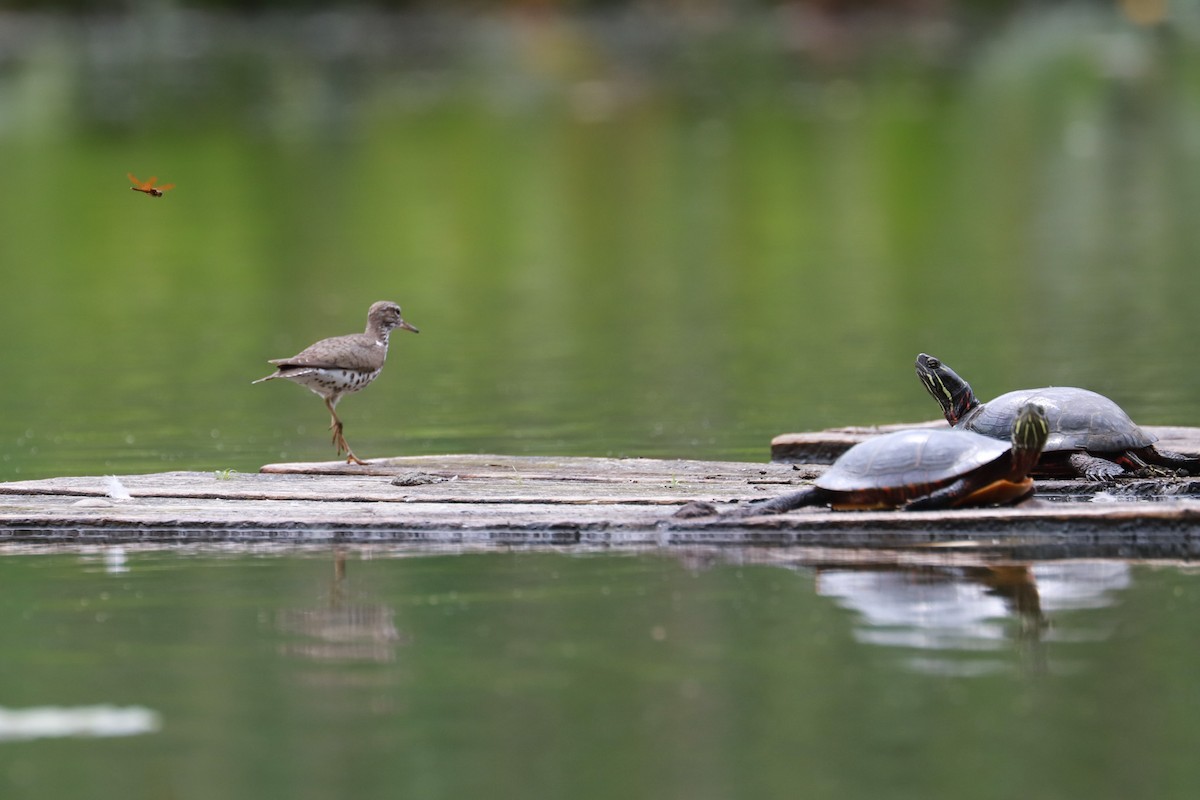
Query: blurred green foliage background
{"points": [[628, 229]]}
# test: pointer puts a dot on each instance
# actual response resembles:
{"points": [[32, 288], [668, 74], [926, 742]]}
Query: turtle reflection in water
{"points": [[1090, 435], [926, 469]]}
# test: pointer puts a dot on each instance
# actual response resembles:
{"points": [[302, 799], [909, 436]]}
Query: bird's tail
{"points": [[287, 371]]}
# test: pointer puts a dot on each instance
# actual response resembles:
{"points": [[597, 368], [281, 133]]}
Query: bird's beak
{"points": [[407, 326]]}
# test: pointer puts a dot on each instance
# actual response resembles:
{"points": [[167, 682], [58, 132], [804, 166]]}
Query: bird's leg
{"points": [[338, 439], [335, 425]]}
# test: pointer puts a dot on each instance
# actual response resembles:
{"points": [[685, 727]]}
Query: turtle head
{"points": [[1031, 428], [953, 394], [1029, 434]]}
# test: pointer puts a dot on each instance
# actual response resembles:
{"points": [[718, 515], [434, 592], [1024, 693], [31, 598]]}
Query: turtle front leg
{"points": [[962, 493], [1093, 468], [942, 498]]}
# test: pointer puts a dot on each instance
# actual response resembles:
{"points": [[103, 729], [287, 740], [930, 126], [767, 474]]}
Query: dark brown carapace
{"points": [[148, 186]]}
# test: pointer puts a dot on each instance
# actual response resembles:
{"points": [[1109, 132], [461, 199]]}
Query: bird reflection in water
{"points": [[959, 619], [341, 631]]}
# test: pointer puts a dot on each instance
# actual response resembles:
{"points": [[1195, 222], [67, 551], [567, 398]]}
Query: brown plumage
{"points": [[343, 364]]}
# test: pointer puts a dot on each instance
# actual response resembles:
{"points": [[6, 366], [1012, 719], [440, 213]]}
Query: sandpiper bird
{"points": [[343, 364]]}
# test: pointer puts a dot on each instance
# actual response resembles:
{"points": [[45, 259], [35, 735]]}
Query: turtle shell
{"points": [[915, 458], [1078, 419]]}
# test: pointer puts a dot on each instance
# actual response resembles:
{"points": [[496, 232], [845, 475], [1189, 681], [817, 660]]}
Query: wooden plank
{"points": [[824, 447], [506, 500], [471, 479]]}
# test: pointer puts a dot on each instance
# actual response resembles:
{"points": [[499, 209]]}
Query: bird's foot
{"points": [[344, 447]]}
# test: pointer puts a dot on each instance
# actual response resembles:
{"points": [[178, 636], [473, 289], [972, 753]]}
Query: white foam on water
{"points": [[41, 722]]}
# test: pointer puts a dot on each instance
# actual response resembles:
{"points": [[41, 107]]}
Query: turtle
{"points": [[926, 468], [1090, 435]]}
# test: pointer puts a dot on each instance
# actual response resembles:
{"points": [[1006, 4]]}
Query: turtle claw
{"points": [[1097, 470], [1155, 471]]}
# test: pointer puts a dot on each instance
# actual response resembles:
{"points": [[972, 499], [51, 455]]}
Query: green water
{"points": [[636, 236], [531, 675]]}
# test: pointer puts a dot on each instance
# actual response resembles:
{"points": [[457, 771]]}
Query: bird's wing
{"points": [[355, 351]]}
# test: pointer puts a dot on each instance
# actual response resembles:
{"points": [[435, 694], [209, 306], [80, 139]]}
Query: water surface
{"points": [[552, 674]]}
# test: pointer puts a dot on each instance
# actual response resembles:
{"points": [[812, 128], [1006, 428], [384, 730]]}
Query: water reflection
{"points": [[965, 620], [576, 672], [115, 561], [341, 631], [47, 722]]}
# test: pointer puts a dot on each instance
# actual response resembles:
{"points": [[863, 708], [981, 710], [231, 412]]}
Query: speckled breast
{"points": [[336, 381]]}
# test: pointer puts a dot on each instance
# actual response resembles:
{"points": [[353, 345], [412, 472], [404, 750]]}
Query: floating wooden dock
{"points": [[493, 500], [823, 447]]}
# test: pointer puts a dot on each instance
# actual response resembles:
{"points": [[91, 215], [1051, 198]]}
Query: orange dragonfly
{"points": [[148, 186]]}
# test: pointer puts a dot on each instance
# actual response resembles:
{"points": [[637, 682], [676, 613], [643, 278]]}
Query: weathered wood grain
{"points": [[506, 500]]}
